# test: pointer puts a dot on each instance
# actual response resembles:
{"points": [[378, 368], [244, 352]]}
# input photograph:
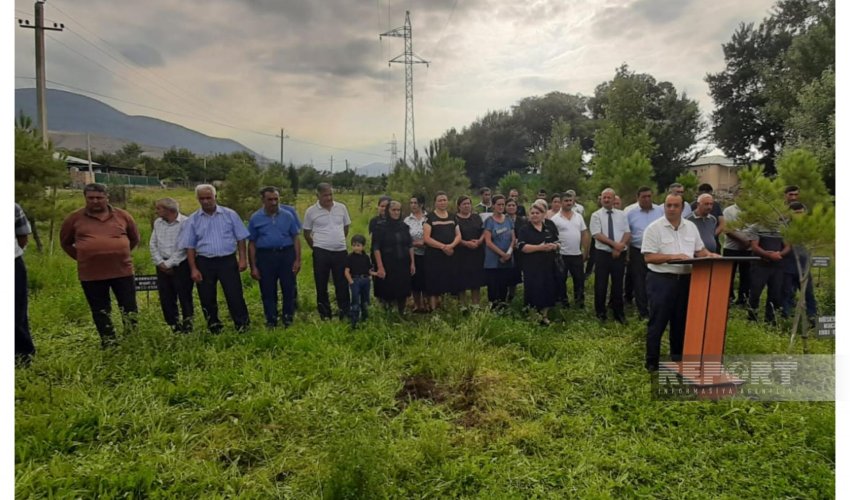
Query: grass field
{"points": [[455, 404]]}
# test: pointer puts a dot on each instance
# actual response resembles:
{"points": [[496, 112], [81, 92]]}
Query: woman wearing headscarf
{"points": [[469, 256], [415, 222], [374, 223], [499, 239], [441, 237], [394, 257], [538, 242]]}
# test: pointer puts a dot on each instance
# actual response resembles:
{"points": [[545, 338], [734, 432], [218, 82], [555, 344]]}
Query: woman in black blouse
{"points": [[394, 257], [538, 242], [519, 220], [374, 223], [469, 255], [442, 235]]}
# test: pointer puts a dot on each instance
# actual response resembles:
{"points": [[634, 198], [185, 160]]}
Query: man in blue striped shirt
{"points": [[275, 252], [211, 237]]}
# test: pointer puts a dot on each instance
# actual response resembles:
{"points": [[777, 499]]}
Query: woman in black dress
{"points": [[469, 255], [394, 257], [441, 237], [374, 222], [538, 242]]}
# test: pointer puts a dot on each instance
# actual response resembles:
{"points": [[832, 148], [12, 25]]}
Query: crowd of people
{"points": [[422, 253]]}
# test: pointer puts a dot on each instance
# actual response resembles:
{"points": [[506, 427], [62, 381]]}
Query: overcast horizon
{"points": [[319, 70]]}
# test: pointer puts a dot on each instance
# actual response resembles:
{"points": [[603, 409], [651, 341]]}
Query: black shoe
{"points": [[651, 367], [620, 319]]}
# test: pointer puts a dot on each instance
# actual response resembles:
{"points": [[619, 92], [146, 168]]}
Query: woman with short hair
{"points": [[415, 222], [499, 240], [538, 242]]}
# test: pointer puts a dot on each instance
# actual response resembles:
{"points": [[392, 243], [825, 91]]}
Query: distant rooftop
{"points": [[712, 160], [73, 160]]}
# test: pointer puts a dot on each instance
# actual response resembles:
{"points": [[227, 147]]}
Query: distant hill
{"points": [[72, 115], [372, 169]]}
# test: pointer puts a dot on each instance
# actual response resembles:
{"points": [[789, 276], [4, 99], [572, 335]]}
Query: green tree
{"points": [[672, 120], [511, 180], [622, 159], [36, 173], [811, 124], [276, 175], [561, 161], [292, 176], [766, 68], [241, 189], [762, 204], [690, 182]]}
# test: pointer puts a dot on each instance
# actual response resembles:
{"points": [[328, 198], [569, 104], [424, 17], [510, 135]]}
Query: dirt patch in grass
{"points": [[463, 396], [419, 388]]}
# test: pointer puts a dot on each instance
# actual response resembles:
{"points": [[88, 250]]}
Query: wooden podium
{"points": [[705, 328]]}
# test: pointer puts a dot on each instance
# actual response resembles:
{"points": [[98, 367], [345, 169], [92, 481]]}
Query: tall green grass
{"points": [[456, 404]]}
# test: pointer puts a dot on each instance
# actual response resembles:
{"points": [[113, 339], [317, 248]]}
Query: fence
{"points": [[126, 180]]}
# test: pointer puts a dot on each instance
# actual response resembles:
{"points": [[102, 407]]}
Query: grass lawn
{"points": [[455, 404]]}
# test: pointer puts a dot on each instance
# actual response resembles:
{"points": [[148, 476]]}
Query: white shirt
{"points": [[165, 241], [569, 232], [599, 224], [327, 227], [661, 237], [731, 214], [578, 208]]}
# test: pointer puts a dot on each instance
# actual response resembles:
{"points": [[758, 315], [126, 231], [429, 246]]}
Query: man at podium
{"points": [[668, 239]]}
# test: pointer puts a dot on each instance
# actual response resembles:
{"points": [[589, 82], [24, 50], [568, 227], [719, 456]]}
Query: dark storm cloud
{"points": [[329, 57], [141, 54]]}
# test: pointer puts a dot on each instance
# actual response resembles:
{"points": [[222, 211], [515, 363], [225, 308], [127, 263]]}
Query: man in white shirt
{"points": [[575, 241], [668, 239], [325, 229], [173, 276], [610, 229], [737, 244]]}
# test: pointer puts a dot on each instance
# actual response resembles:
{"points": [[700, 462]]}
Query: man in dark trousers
{"points": [[610, 230], [668, 239], [275, 253], [100, 238], [640, 217], [24, 348], [213, 237], [325, 230], [173, 276], [768, 272]]}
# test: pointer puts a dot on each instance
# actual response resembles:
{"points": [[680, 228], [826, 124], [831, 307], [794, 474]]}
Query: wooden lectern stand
{"points": [[705, 328]]}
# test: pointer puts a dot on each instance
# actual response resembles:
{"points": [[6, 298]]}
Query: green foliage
{"points": [[511, 180], [35, 172], [800, 167], [767, 68], [690, 182], [242, 189], [636, 100], [811, 124], [560, 162], [439, 172], [622, 159]]}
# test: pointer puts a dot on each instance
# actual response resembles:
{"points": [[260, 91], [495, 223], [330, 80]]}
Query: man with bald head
{"points": [[705, 221]]}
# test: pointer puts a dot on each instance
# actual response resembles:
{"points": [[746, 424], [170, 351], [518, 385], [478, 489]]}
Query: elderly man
{"points": [[575, 240], [668, 239], [705, 221], [24, 348], [640, 217], [716, 211], [212, 237], [173, 276], [100, 238], [610, 229], [325, 230], [275, 252]]}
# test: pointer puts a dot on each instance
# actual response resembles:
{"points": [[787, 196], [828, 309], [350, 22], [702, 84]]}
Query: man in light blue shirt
{"points": [[639, 218], [211, 237], [275, 253]]}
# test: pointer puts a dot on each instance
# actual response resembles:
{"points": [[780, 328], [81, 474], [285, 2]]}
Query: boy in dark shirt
{"points": [[358, 268]]}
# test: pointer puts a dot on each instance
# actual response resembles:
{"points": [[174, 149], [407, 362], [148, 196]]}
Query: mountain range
{"points": [[71, 116]]}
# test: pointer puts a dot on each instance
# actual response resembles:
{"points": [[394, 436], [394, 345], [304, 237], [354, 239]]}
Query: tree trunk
{"points": [[52, 218], [35, 235], [800, 307]]}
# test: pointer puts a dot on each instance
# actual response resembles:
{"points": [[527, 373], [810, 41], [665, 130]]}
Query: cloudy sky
{"points": [[245, 68]]}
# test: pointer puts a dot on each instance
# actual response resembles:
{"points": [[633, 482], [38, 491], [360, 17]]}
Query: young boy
{"points": [[358, 268]]}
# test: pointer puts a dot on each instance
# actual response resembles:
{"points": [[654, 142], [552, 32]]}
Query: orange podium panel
{"points": [[705, 327]]}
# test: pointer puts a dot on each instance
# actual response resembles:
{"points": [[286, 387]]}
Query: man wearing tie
{"points": [[610, 231]]}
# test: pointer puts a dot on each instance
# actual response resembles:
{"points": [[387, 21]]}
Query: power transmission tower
{"points": [[40, 77], [393, 154], [408, 58]]}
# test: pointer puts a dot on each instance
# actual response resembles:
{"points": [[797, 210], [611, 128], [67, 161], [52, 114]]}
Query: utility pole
{"points": [[346, 164], [393, 154], [332, 164], [282, 137], [88, 148], [408, 58], [40, 78]]}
